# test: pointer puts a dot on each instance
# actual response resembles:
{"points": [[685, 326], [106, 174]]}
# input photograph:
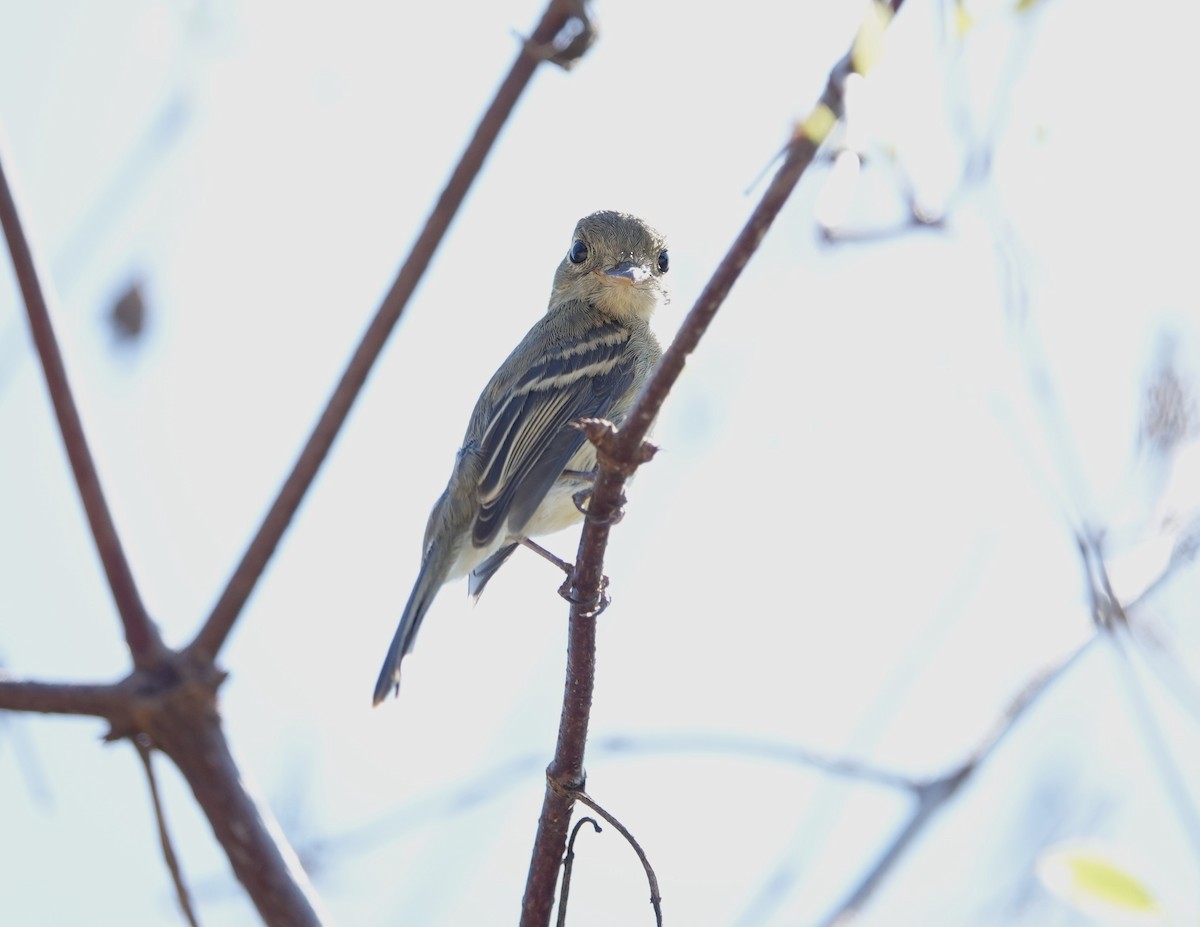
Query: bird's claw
{"points": [[593, 607], [582, 500]]}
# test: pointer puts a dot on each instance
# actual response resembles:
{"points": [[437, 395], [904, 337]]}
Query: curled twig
{"points": [[655, 895], [568, 867]]}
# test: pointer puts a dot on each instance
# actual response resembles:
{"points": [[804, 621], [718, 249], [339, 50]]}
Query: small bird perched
{"points": [[521, 464]]}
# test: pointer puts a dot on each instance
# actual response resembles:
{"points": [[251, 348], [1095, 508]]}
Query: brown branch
{"points": [[655, 894], [101, 700], [164, 835], [540, 47], [619, 454], [145, 645], [186, 726]]}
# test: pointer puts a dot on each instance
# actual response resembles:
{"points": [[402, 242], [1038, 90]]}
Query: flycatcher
{"points": [[521, 463]]}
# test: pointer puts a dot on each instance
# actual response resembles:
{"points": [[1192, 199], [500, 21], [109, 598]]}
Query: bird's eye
{"points": [[664, 261], [579, 251]]}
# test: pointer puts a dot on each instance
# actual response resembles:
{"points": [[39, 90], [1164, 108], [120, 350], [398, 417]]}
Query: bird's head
{"points": [[616, 262]]}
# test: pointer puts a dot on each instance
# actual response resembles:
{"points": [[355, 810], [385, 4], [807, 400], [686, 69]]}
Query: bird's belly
{"points": [[558, 509]]}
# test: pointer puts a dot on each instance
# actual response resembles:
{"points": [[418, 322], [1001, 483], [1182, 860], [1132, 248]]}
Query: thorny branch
{"points": [[619, 454]]}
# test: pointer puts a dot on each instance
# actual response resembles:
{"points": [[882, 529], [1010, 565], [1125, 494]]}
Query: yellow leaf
{"points": [[1088, 877]]}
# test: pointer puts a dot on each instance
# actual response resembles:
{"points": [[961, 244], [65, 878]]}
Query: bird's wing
{"points": [[528, 440]]}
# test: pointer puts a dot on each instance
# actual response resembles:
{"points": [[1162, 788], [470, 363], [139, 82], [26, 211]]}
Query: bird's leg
{"points": [[538, 549], [595, 606]]}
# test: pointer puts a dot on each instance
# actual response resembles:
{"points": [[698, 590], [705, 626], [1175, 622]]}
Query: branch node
{"points": [[570, 44], [563, 787], [603, 434]]}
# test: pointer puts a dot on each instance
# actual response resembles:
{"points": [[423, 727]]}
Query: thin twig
{"points": [[568, 868], [145, 645], [220, 622], [164, 836], [1109, 614], [655, 894], [779, 751], [1175, 784], [619, 454]]}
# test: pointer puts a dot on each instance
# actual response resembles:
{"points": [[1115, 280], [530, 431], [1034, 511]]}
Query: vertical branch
{"points": [[145, 645], [621, 451], [538, 48]]}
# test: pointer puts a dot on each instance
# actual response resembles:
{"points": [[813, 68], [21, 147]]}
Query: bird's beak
{"points": [[628, 273]]}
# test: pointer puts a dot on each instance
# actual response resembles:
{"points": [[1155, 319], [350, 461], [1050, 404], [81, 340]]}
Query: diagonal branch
{"points": [[233, 599], [934, 795], [145, 645]]}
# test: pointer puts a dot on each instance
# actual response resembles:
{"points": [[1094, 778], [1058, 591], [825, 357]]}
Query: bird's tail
{"points": [[429, 580]]}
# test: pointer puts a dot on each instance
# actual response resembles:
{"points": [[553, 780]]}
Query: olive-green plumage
{"points": [[521, 462]]}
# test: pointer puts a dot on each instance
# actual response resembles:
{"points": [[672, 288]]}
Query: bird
{"points": [[522, 465]]}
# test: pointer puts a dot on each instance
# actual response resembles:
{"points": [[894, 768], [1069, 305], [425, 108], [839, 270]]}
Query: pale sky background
{"points": [[857, 538]]}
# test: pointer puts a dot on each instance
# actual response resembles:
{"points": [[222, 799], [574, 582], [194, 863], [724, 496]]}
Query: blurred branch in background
{"points": [[934, 795], [157, 144]]}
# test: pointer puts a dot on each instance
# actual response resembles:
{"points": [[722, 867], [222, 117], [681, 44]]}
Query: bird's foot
{"points": [[591, 608]]}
